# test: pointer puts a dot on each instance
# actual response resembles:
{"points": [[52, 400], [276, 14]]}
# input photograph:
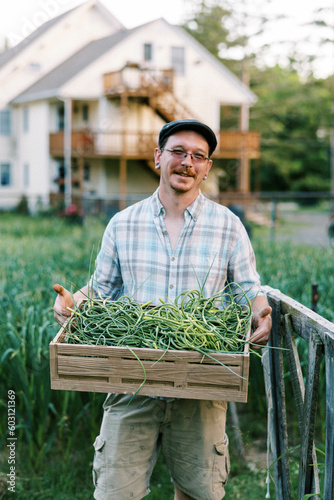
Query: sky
{"points": [[19, 17]]}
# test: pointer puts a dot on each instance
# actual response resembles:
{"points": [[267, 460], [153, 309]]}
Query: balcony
{"points": [[137, 81], [131, 145], [140, 145], [236, 144]]}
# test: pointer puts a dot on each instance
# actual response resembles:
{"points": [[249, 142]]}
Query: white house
{"points": [[83, 99]]}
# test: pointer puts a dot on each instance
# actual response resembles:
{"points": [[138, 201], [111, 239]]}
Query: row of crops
{"points": [[35, 254]]}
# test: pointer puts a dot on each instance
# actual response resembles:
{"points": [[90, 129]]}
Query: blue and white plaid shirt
{"points": [[136, 258]]}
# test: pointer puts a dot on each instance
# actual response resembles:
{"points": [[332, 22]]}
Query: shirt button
{"points": [[171, 286], [165, 232], [173, 258], [195, 218]]}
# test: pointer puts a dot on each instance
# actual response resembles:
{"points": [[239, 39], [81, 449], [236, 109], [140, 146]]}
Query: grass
{"points": [[56, 429]]}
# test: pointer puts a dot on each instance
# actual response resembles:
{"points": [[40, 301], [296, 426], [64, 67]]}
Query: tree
{"points": [[293, 113], [293, 117], [226, 27]]}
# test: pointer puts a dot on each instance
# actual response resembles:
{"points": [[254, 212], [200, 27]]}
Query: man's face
{"points": [[179, 174]]}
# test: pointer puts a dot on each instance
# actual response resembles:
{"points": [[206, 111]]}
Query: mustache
{"points": [[184, 171]]}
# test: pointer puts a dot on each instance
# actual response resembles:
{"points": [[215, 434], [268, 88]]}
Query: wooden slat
{"points": [[154, 354], [296, 375], [53, 362], [204, 392], [310, 406], [303, 319], [329, 460], [177, 372], [298, 388], [279, 436]]}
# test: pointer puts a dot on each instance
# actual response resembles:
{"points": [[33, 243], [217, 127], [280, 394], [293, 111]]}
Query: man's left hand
{"points": [[261, 325]]}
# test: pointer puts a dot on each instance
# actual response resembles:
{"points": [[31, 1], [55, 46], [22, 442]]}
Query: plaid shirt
{"points": [[136, 258]]}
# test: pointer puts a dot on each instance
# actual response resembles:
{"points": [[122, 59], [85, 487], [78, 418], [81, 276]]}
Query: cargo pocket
{"points": [[99, 463], [222, 462]]}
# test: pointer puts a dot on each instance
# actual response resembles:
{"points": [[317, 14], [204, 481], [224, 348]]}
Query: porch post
{"points": [[68, 150], [244, 181], [124, 153]]}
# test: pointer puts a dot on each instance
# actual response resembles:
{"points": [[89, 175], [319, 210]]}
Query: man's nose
{"points": [[187, 160]]}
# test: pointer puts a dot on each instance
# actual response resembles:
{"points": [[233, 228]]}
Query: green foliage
{"points": [[22, 207], [36, 254], [214, 16], [226, 28], [293, 268], [293, 117]]}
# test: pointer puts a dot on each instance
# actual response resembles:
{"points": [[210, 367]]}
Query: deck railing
{"points": [[292, 319], [138, 80], [134, 144]]}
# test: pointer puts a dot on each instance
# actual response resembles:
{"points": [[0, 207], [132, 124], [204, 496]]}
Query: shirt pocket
{"points": [[208, 269]]}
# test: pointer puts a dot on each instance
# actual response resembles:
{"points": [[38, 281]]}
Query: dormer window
{"points": [[178, 60]]}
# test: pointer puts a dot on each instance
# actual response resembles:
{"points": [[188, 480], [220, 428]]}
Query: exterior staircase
{"points": [[156, 85], [168, 107]]}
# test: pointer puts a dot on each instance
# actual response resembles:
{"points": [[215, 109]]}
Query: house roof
{"points": [[49, 85], [9, 54]]}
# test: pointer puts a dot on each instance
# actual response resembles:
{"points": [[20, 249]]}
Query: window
{"points": [[61, 176], [26, 174], [178, 60], [148, 52], [85, 112], [25, 119], [5, 125], [86, 171], [61, 117], [5, 174]]}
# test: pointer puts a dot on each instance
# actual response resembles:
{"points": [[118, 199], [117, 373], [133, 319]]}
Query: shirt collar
{"points": [[193, 209]]}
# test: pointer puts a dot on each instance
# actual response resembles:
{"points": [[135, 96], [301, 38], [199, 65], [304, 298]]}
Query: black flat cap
{"points": [[195, 125]]}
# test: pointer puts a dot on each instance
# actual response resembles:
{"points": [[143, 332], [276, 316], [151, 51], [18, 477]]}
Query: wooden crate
{"points": [[179, 374]]}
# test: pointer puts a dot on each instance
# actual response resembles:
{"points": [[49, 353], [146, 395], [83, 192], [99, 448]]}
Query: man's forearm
{"points": [[84, 293]]}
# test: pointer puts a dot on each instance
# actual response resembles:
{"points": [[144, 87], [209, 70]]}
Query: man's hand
{"points": [[261, 323], [63, 300]]}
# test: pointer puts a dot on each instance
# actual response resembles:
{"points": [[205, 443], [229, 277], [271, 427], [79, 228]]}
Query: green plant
{"points": [[22, 206]]}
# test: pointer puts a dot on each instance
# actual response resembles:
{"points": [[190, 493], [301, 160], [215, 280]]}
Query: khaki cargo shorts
{"points": [[190, 434]]}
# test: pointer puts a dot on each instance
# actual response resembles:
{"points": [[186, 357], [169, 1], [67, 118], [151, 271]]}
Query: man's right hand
{"points": [[63, 300]]}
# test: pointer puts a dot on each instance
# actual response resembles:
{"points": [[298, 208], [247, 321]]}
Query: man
{"points": [[155, 249]]}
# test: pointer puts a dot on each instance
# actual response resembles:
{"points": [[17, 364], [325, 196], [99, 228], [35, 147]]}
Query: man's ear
{"points": [[157, 155], [209, 165]]}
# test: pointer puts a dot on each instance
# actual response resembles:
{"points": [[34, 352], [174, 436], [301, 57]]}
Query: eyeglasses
{"points": [[179, 153]]}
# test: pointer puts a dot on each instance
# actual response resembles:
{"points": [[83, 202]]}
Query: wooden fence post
{"points": [[279, 434], [298, 388], [329, 460], [310, 407]]}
